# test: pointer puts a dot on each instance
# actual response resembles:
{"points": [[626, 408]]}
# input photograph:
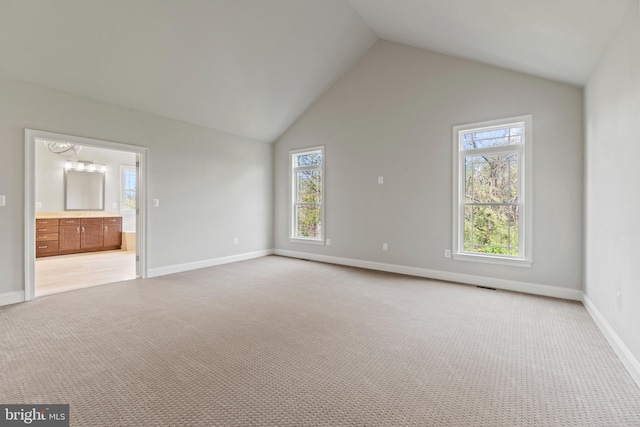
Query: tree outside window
{"points": [[307, 194], [492, 208], [128, 188]]}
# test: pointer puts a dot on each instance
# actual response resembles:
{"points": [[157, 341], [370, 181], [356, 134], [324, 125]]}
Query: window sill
{"points": [[488, 259], [308, 241]]}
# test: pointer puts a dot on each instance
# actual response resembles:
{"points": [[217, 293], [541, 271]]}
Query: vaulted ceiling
{"points": [[556, 39], [247, 67], [251, 67]]}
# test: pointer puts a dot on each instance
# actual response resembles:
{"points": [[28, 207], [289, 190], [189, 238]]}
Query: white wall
{"points": [[49, 185], [212, 186], [612, 206], [392, 115]]}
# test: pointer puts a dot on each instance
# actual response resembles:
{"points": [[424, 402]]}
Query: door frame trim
{"points": [[30, 136]]}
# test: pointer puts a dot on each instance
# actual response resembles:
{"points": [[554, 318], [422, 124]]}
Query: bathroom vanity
{"points": [[74, 232]]}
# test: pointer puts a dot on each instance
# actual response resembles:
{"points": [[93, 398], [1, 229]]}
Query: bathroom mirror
{"points": [[83, 191]]}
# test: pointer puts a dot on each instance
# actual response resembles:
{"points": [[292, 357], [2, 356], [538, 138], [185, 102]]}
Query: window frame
{"points": [[293, 194], [524, 150], [123, 171]]}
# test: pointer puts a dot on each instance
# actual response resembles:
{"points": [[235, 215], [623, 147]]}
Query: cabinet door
{"points": [[69, 238], [91, 236], [113, 235]]}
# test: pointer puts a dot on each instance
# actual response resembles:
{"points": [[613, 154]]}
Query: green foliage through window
{"points": [[129, 188], [491, 191], [307, 175]]}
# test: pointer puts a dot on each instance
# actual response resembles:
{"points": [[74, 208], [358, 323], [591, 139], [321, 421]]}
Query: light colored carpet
{"points": [[282, 342]]}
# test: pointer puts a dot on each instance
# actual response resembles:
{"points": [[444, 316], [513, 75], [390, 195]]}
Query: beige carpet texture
{"points": [[283, 342]]}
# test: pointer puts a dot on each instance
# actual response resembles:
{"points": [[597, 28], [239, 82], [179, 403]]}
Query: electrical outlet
{"points": [[38, 205], [235, 240], [156, 203], [385, 247], [619, 299], [327, 242], [114, 205], [447, 253]]}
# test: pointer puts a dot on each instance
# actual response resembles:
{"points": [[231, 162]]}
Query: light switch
{"points": [[2, 200], [380, 179], [156, 203]]}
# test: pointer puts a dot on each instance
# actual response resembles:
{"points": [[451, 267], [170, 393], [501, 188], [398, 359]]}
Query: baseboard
{"points": [[510, 285], [11, 297], [178, 268], [626, 357]]}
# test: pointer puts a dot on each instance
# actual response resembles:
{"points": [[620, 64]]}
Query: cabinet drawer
{"points": [[46, 229], [47, 222], [69, 221], [46, 237], [84, 221], [115, 220], [46, 247]]}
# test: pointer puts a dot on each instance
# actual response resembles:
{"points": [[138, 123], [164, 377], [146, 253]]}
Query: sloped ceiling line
{"points": [[251, 68]]}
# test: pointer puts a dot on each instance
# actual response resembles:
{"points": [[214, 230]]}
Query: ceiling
{"points": [[556, 39], [251, 67], [247, 67]]}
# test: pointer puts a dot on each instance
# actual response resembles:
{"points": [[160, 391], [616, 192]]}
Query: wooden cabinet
{"points": [[60, 236], [91, 236], [113, 233], [69, 236], [46, 248], [46, 237]]}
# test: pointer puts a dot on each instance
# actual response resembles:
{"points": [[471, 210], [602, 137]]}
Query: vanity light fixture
{"points": [[83, 165]]}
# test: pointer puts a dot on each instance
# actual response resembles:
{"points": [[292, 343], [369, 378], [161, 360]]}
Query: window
{"points": [[128, 188], [492, 191], [307, 198]]}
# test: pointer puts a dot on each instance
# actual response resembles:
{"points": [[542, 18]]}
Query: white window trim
{"points": [[292, 192], [525, 240], [124, 168]]}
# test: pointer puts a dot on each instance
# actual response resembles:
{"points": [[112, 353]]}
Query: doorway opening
{"points": [[85, 212]]}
